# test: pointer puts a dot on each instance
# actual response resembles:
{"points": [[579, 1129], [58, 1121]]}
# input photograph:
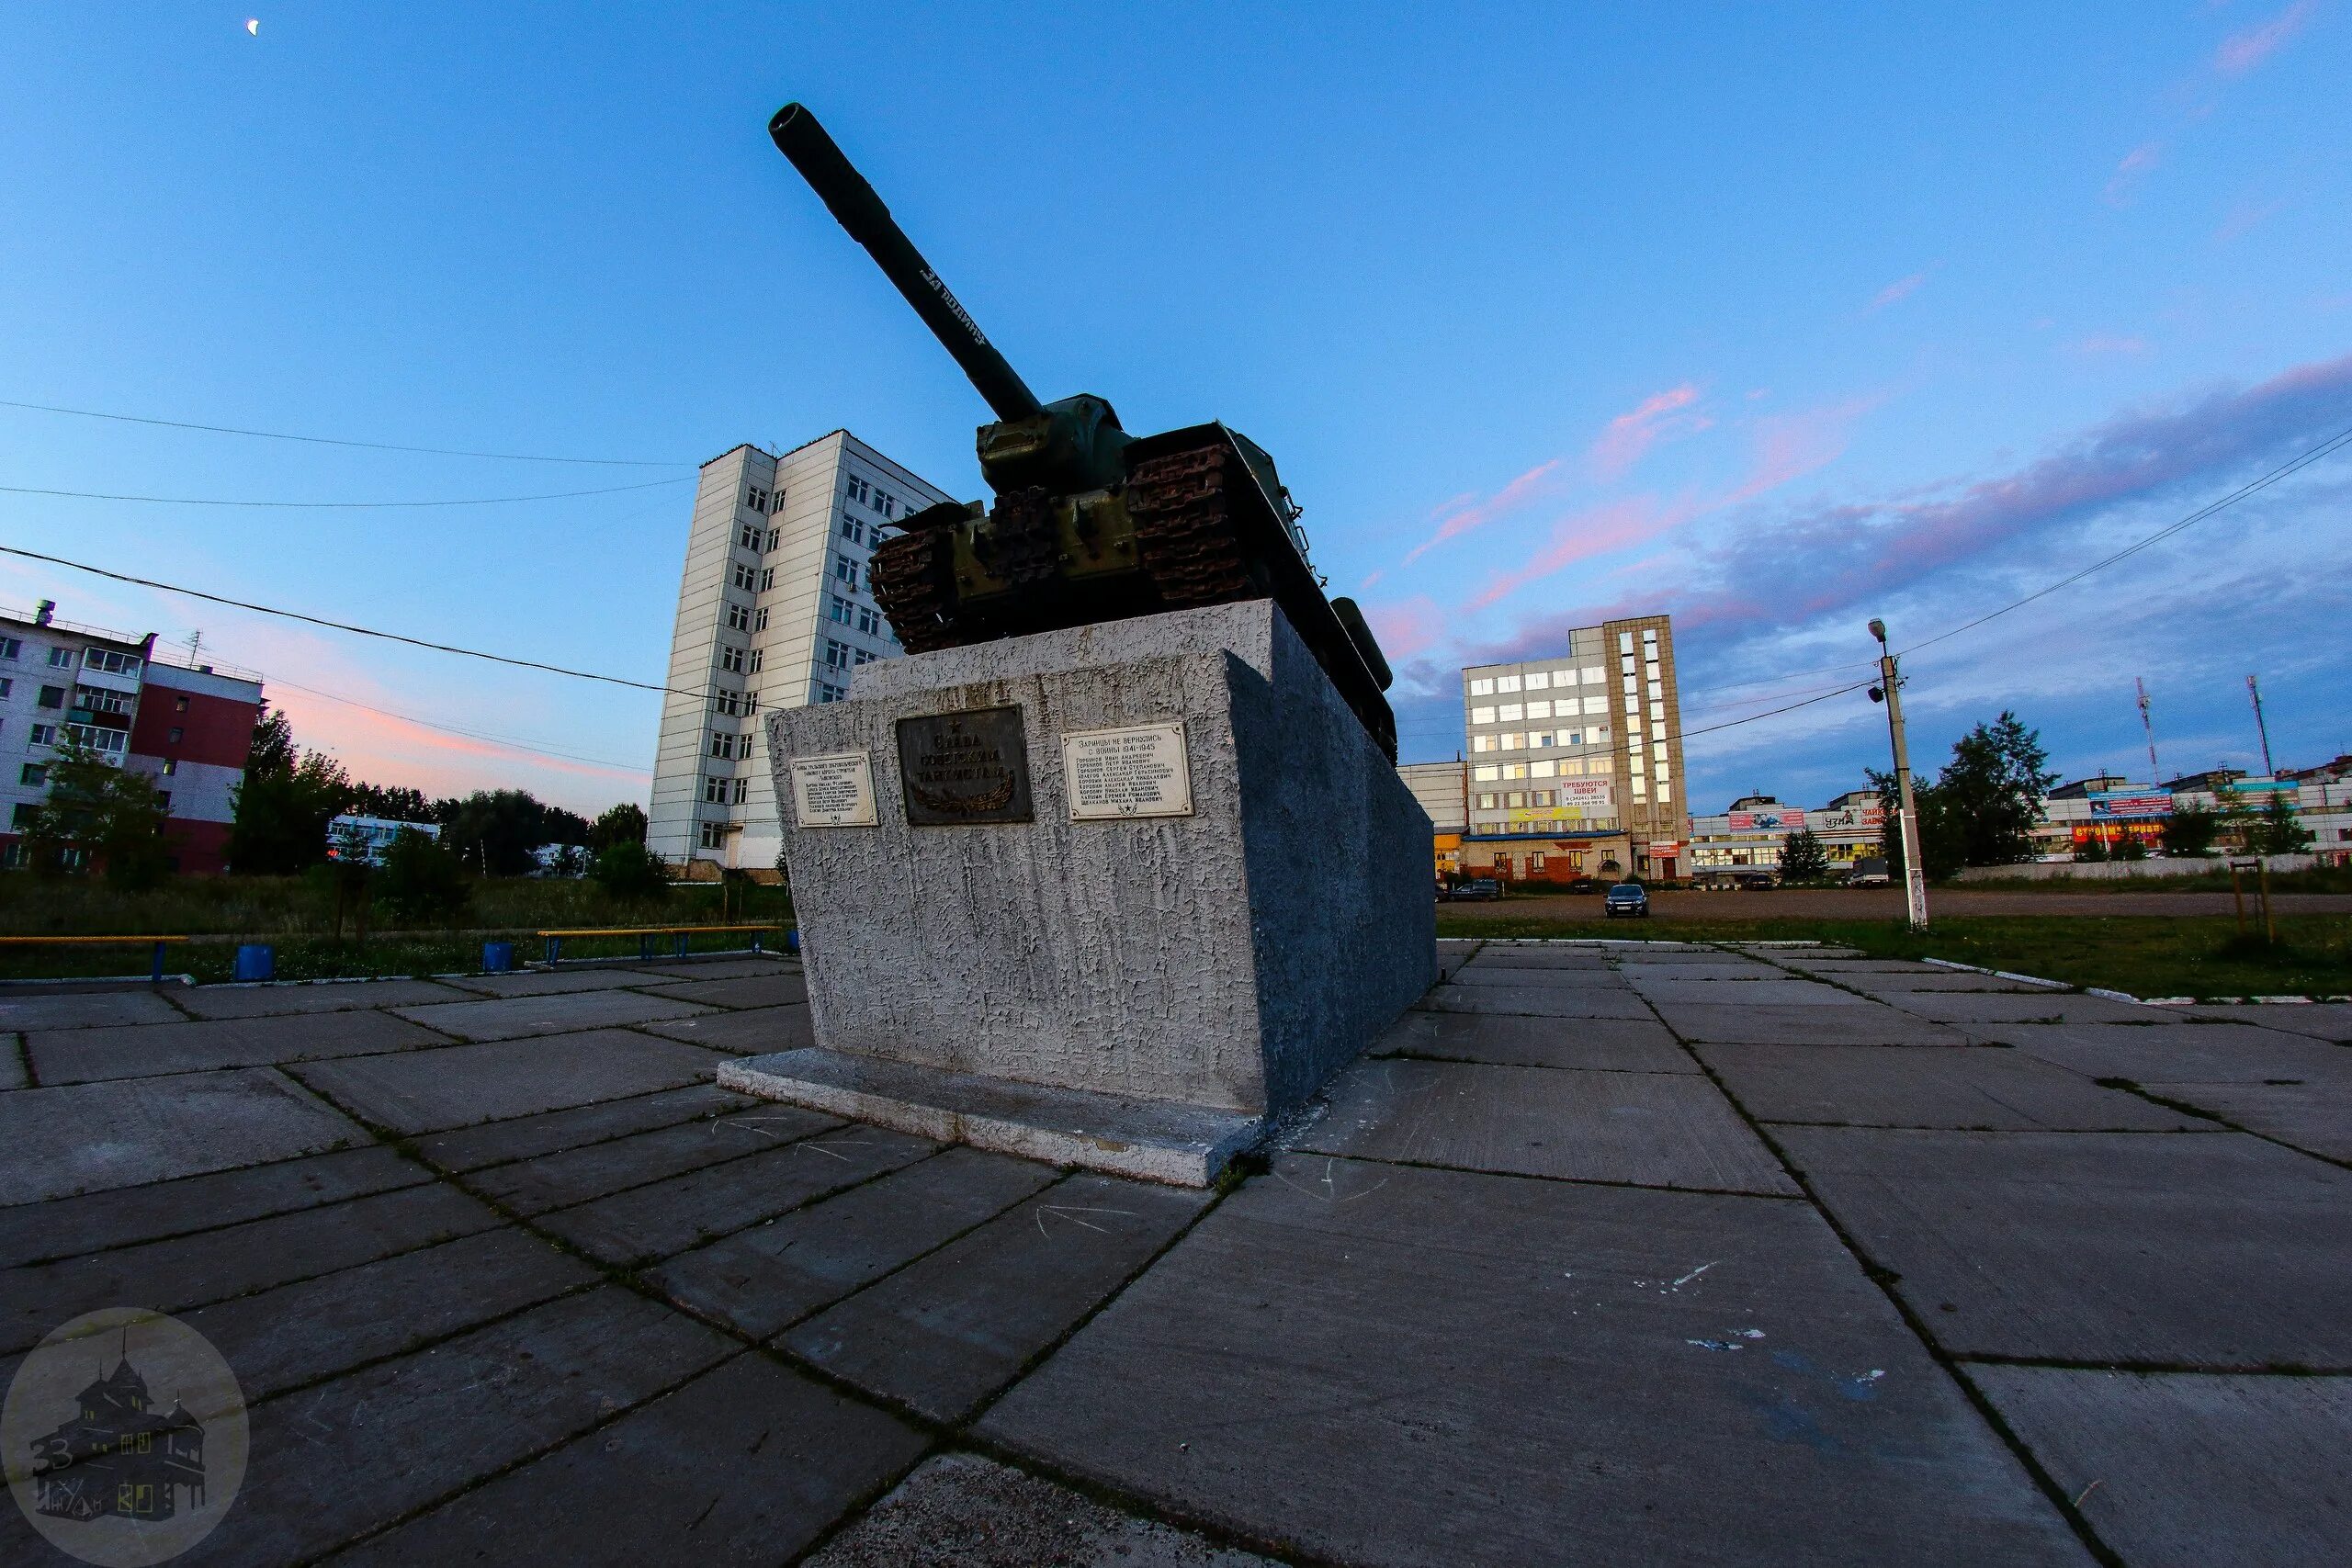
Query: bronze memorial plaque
{"points": [[965, 767]]}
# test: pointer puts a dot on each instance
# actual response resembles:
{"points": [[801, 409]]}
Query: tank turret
{"points": [[1090, 524]]}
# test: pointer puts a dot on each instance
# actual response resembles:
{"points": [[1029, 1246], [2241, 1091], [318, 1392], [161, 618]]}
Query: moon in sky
{"points": [[253, 26]]}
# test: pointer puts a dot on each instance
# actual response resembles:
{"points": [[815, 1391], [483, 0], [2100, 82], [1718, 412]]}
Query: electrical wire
{"points": [[348, 627], [332, 441], [339, 505], [506, 741]]}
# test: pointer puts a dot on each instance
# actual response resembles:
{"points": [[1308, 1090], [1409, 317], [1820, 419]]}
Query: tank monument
{"points": [[1114, 869]]}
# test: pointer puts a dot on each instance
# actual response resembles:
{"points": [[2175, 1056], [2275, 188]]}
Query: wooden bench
{"points": [[645, 935], [155, 966]]}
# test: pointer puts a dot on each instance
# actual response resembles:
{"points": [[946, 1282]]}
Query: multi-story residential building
{"points": [[1443, 788], [775, 608], [1575, 761], [187, 728]]}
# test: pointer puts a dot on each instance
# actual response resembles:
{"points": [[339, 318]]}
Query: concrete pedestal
{"points": [[1137, 993]]}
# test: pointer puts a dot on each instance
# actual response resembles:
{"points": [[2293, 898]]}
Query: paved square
{"points": [[1975, 1085], [1604, 1045], [457, 1086], [81, 1138]]}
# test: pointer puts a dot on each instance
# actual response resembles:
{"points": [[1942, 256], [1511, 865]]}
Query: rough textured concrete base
{"points": [[1187, 1145], [1223, 964]]}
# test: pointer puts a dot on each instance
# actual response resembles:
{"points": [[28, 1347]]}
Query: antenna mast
{"points": [[2254, 692], [2155, 771]]}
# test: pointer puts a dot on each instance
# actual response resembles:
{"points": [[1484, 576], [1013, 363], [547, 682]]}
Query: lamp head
{"points": [[1877, 630], [1878, 693]]}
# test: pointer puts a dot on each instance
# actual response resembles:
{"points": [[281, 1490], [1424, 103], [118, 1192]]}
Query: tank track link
{"points": [[1186, 534], [914, 582]]}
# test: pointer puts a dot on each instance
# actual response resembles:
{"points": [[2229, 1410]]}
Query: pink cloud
{"points": [[1789, 446], [2240, 52], [2128, 174], [1628, 436], [1408, 628], [2242, 218], [1580, 536], [1901, 289], [2129, 345], [1464, 512]]}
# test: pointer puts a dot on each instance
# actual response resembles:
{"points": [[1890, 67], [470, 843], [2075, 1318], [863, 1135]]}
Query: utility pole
{"points": [[2256, 692], [1889, 689], [2155, 773]]}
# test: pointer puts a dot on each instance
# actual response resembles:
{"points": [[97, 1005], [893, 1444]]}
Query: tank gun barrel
{"points": [[853, 204]]}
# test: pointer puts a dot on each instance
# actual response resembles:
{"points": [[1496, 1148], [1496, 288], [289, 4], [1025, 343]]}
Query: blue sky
{"points": [[1771, 322]]}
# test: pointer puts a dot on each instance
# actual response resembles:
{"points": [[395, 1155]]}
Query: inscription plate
{"points": [[1140, 771], [965, 767], [835, 790]]}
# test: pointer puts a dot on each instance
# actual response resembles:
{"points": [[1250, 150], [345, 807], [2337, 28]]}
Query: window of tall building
{"points": [[11, 646], [52, 698], [742, 790], [1624, 642], [760, 621], [1484, 686], [1538, 680], [857, 488], [845, 569], [829, 692], [759, 655], [1510, 712], [41, 735], [837, 608], [171, 766], [1542, 769], [852, 528], [1485, 772], [748, 537], [836, 654], [1539, 710], [1514, 800], [1482, 743], [731, 659], [1514, 770], [869, 620], [714, 835], [1572, 767], [714, 790], [756, 499], [1506, 682], [1487, 800], [738, 618], [33, 773], [1482, 715], [744, 577], [775, 536], [767, 578]]}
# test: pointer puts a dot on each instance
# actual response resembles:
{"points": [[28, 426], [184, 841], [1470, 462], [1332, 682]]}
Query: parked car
{"points": [[1584, 885], [1628, 899], [1475, 889], [1868, 872]]}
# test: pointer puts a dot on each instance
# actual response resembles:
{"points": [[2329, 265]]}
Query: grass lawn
{"points": [[2144, 954]]}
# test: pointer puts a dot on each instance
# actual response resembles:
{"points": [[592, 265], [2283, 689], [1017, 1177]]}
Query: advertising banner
{"points": [[1850, 818], [2118, 804], [1767, 819]]}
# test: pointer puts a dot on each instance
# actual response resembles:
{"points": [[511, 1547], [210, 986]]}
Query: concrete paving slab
{"points": [[1535, 1001], [84, 1009], [85, 1056], [722, 968], [512, 1018], [1650, 1129], [76, 1138], [459, 1086], [2212, 1251], [296, 1334], [2314, 1117], [1376, 1364], [1726, 967], [1981, 1086], [958, 1510], [2030, 1006], [1891, 986], [13, 1072], [944, 1332], [353, 1454], [767, 990], [575, 1176], [670, 1216], [1786, 1025], [66, 1227], [1478, 972], [761, 1280], [2192, 1052], [1783, 992], [748, 1463], [208, 1266], [264, 1002], [553, 982], [1598, 1044], [521, 1137], [2320, 1021], [1806, 963], [2191, 1468], [758, 1032], [1552, 958]]}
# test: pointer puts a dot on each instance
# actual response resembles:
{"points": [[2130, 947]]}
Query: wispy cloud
{"points": [[1407, 628], [1789, 446], [2240, 52], [1463, 514], [1900, 289], [1581, 536], [2136, 166], [2128, 344], [2244, 217], [1626, 439]]}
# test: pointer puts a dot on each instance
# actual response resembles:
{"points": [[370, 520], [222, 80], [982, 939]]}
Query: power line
{"points": [[332, 441], [348, 627], [451, 728], [337, 505]]}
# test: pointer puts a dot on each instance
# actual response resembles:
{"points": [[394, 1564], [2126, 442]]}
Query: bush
{"points": [[422, 881], [631, 872]]}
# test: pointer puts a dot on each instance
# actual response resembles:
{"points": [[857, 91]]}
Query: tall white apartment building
{"points": [[775, 608]]}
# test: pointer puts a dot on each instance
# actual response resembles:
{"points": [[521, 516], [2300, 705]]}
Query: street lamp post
{"points": [[1889, 691]]}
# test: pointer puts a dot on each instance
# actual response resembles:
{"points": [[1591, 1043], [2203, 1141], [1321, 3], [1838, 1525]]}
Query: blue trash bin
{"points": [[497, 957], [792, 939], [256, 961]]}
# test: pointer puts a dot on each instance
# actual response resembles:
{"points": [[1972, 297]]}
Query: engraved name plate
{"points": [[835, 790], [1140, 771], [960, 768]]}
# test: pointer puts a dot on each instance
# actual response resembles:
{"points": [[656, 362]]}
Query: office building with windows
{"points": [[187, 728], [776, 609], [1575, 761]]}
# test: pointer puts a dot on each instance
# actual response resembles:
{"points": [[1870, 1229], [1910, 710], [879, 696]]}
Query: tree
{"points": [[98, 814], [631, 872], [1802, 859], [395, 803], [2092, 849], [622, 824], [2276, 831], [494, 831], [283, 806], [561, 827], [1989, 795], [2190, 829], [421, 879]]}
